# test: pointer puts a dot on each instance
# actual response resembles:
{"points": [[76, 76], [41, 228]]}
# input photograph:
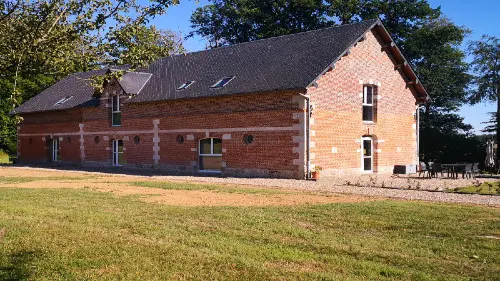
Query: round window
{"points": [[97, 139], [248, 139], [179, 139], [137, 140]]}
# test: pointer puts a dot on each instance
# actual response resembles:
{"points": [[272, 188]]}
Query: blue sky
{"points": [[480, 16]]}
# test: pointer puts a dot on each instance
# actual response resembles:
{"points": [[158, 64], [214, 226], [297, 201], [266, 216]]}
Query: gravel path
{"points": [[430, 189], [330, 186]]}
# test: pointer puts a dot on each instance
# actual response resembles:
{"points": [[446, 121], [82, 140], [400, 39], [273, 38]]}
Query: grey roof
{"points": [[133, 82], [279, 63]]}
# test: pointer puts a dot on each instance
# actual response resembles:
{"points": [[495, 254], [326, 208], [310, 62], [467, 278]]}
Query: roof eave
{"points": [[402, 64]]}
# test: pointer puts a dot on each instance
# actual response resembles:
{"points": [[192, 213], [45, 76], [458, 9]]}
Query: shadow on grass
{"points": [[17, 266]]}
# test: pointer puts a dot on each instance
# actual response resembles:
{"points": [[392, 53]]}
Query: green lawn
{"points": [[485, 188], [4, 158], [66, 234], [206, 187]]}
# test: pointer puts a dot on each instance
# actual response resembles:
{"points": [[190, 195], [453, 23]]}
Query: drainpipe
{"points": [[307, 127], [419, 106]]}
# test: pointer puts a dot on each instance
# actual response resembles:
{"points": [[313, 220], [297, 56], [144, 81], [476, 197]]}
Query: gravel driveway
{"points": [[336, 185], [422, 189]]}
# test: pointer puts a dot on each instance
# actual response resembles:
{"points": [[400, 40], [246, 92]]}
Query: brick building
{"points": [[343, 98]]}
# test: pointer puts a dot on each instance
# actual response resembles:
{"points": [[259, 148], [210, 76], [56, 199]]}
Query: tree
{"points": [[139, 45], [43, 41], [430, 42], [486, 67], [237, 21], [491, 125]]}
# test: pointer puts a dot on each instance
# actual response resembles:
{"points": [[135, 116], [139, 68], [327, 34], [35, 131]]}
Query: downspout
{"points": [[419, 106], [307, 128]]}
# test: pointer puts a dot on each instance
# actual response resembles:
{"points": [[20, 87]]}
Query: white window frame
{"points": [[220, 81], [365, 102], [116, 152], [211, 154], [185, 85], [363, 157], [113, 111], [55, 150]]}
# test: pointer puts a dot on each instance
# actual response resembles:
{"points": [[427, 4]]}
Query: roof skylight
{"points": [[223, 82], [63, 100], [185, 85]]}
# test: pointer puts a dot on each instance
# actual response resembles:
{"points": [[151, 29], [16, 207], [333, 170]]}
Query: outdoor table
{"points": [[454, 169]]}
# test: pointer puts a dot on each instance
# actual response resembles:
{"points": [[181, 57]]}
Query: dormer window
{"points": [[63, 100], [223, 82], [185, 85], [116, 114]]}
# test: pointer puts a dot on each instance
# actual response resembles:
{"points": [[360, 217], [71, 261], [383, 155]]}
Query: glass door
{"points": [[367, 154], [117, 153], [56, 156]]}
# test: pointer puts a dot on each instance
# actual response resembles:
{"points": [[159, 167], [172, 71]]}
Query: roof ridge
{"points": [[279, 36]]}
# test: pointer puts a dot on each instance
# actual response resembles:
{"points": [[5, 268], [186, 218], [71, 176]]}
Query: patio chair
{"points": [[468, 171], [423, 169], [436, 168], [475, 170]]}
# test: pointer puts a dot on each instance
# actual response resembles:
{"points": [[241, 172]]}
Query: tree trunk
{"points": [[498, 127]]}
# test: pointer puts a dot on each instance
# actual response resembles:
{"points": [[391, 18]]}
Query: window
{"points": [[137, 140], [211, 155], [368, 103], [118, 153], [116, 115], [367, 154], [179, 139], [185, 85], [223, 82], [56, 155], [63, 100], [248, 139]]}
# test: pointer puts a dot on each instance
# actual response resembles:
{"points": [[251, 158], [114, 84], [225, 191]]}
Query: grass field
{"points": [[82, 234], [485, 188]]}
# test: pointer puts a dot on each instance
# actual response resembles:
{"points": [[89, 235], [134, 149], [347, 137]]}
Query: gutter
{"points": [[307, 128]]}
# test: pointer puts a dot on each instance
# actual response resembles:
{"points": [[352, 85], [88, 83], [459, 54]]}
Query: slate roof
{"points": [[278, 63], [133, 82]]}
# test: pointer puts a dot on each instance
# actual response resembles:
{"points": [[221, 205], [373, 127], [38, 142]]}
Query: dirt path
{"points": [[121, 185]]}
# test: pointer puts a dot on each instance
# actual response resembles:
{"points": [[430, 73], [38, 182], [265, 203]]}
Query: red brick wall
{"points": [[229, 118], [337, 114], [37, 130]]}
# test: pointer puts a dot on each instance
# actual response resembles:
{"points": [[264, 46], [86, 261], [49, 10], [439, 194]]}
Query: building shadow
{"points": [[115, 170]]}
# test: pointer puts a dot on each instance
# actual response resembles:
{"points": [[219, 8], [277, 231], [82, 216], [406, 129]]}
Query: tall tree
{"points": [[491, 124], [236, 21], [486, 67]]}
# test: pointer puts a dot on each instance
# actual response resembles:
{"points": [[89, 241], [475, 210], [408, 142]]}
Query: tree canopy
{"points": [[43, 41], [486, 67]]}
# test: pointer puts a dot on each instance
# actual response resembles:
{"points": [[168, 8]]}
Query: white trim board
{"points": [[217, 130]]}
